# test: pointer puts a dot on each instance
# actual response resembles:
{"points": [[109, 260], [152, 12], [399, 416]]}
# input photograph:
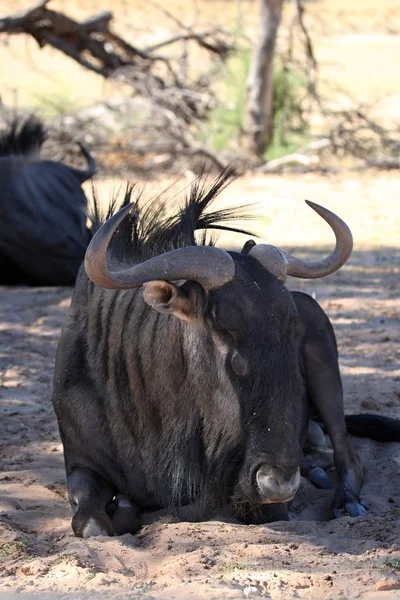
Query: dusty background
{"points": [[356, 44], [306, 558]]}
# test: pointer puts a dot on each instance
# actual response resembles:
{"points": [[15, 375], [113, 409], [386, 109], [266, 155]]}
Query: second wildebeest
{"points": [[185, 374], [43, 210]]}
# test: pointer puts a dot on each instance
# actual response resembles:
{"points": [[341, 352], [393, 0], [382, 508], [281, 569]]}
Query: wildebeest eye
{"points": [[239, 363]]}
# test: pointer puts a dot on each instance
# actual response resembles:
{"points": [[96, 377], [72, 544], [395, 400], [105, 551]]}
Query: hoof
{"points": [[92, 525], [320, 479], [356, 510], [126, 518], [351, 509], [315, 436]]}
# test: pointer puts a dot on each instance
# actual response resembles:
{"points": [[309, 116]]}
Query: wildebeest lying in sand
{"points": [[191, 377], [43, 232]]}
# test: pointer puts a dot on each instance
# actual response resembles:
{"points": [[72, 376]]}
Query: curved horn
{"points": [[211, 267], [282, 264], [248, 246], [84, 174]]}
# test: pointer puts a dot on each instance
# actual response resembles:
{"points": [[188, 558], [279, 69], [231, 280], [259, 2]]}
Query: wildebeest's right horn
{"points": [[211, 267], [282, 264]]}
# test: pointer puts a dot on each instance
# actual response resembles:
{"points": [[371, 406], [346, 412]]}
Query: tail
{"points": [[375, 427], [84, 174], [22, 138]]}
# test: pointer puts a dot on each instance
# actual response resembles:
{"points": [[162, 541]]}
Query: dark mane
{"points": [[158, 230], [23, 136]]}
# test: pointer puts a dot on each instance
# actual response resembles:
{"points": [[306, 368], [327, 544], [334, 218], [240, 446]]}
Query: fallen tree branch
{"points": [[217, 46], [293, 159], [385, 163], [17, 22], [99, 22], [93, 45], [176, 104]]}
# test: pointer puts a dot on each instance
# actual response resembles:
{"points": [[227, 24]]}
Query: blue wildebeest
{"points": [[185, 374], [43, 232]]}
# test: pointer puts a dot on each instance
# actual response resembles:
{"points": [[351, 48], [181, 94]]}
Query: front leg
{"points": [[96, 511], [89, 494], [326, 394], [317, 458]]}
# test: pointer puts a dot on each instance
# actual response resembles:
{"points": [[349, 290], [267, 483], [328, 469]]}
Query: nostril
{"points": [[266, 481], [267, 485]]}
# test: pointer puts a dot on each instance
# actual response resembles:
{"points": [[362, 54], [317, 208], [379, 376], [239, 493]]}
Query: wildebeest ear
{"points": [[165, 297], [248, 246]]}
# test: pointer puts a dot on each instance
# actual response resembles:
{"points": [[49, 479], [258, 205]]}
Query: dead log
{"points": [[93, 45], [176, 102]]}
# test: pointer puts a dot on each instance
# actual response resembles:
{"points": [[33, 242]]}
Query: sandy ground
{"points": [[307, 558]]}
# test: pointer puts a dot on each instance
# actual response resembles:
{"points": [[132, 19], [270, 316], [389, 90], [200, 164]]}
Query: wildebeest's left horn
{"points": [[84, 174], [282, 264], [211, 267]]}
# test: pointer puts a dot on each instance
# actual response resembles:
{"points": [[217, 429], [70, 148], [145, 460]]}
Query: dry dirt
{"points": [[308, 557]]}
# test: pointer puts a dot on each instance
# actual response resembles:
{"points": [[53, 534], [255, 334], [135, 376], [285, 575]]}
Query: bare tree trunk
{"points": [[258, 119]]}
